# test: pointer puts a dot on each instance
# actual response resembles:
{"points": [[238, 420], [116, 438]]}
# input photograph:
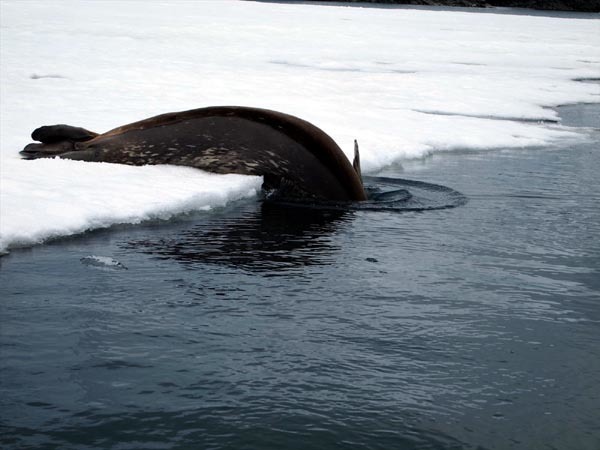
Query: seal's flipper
{"points": [[35, 151], [356, 162], [50, 134]]}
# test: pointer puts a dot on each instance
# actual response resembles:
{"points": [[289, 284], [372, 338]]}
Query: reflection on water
{"points": [[283, 234], [389, 195], [274, 237]]}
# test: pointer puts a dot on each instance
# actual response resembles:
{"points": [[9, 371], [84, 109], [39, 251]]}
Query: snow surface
{"points": [[404, 82]]}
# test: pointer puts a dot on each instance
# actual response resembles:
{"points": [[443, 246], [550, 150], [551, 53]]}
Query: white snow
{"points": [[404, 82]]}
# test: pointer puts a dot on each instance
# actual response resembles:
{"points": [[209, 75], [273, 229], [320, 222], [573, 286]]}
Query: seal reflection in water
{"points": [[295, 158]]}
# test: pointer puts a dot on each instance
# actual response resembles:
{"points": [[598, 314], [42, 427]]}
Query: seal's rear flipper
{"points": [[356, 162], [35, 151], [51, 134]]}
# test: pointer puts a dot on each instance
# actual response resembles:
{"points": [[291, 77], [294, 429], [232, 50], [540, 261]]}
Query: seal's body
{"points": [[294, 156]]}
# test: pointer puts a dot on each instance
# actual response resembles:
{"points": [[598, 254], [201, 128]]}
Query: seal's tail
{"points": [[55, 140], [49, 134]]}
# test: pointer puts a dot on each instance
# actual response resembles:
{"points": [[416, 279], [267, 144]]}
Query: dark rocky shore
{"points": [[550, 5]]}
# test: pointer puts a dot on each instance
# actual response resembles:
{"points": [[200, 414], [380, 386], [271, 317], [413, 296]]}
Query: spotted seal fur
{"points": [[295, 157]]}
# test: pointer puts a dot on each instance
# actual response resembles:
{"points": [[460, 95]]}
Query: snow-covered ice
{"points": [[404, 82]]}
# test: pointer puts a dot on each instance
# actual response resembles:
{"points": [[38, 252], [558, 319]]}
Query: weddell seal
{"points": [[295, 158]]}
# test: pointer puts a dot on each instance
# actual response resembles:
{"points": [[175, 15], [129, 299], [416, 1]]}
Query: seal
{"points": [[295, 158]]}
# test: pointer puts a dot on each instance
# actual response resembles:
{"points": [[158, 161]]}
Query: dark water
{"points": [[473, 10], [263, 327]]}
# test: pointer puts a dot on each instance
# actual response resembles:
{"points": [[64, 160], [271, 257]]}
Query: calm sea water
{"points": [[261, 327]]}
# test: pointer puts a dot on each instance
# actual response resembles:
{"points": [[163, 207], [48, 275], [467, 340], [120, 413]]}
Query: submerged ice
{"points": [[404, 82], [102, 262]]}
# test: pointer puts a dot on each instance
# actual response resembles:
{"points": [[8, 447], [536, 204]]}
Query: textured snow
{"points": [[404, 82]]}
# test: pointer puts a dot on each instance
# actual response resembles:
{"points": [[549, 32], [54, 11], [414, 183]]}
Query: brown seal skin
{"points": [[292, 155]]}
